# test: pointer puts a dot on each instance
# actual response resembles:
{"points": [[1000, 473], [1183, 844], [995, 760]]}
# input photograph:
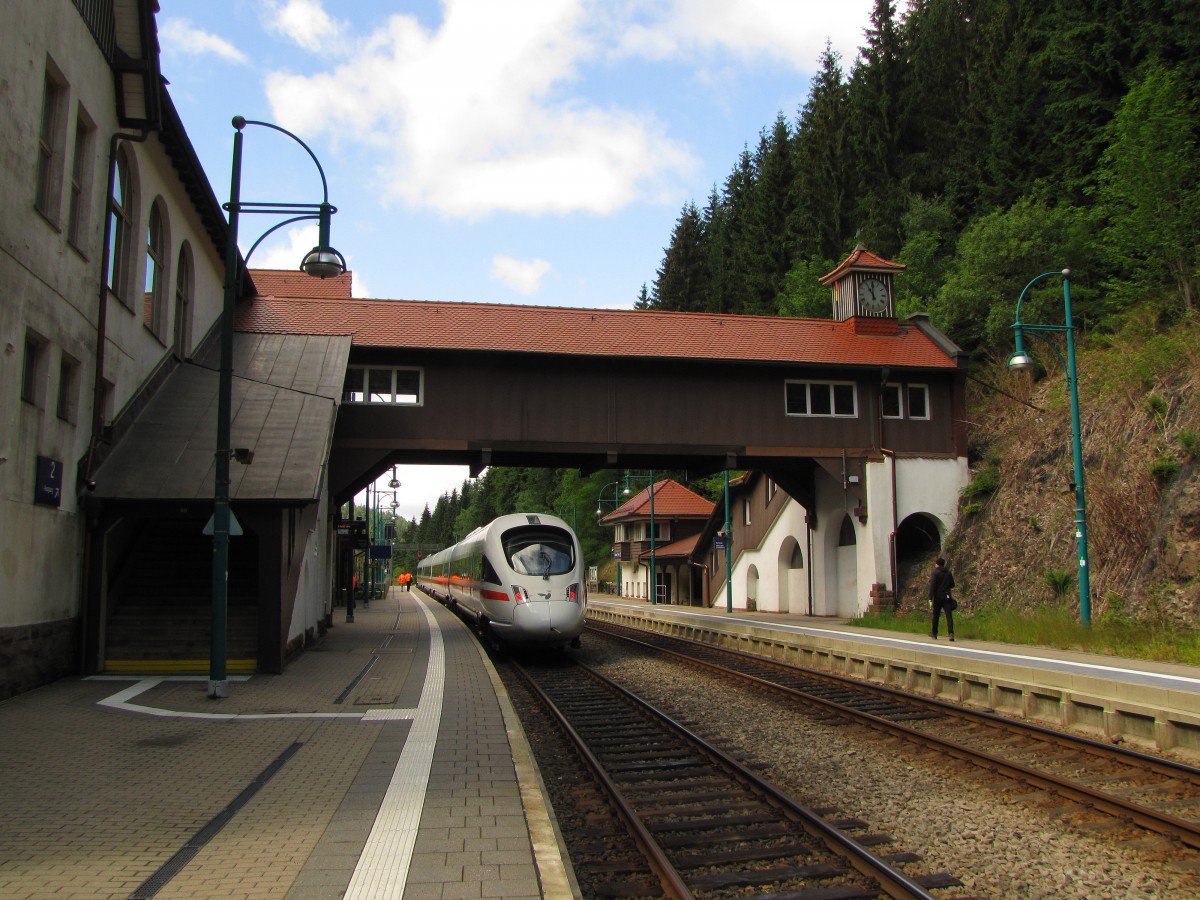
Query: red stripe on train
{"points": [[485, 594]]}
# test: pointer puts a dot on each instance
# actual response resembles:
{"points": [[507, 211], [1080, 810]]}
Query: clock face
{"points": [[872, 295]]}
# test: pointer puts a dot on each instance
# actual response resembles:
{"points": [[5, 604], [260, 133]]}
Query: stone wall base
{"points": [[33, 655]]}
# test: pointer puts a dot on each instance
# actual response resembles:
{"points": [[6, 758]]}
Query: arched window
{"points": [[156, 254], [120, 214], [183, 301]]}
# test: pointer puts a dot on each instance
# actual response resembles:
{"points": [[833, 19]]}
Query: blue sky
{"points": [[502, 151]]}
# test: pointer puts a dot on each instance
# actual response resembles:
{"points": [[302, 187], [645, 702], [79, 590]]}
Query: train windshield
{"points": [[537, 550]]}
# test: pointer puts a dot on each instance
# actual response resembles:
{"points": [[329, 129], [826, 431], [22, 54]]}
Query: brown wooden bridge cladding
{"points": [[485, 409]]}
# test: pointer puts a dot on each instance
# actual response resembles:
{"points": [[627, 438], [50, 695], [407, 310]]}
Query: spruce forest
{"points": [[979, 142]]}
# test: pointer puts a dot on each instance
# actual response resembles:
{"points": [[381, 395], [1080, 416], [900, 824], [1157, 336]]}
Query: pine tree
{"points": [[876, 94], [680, 284], [770, 218], [822, 193]]}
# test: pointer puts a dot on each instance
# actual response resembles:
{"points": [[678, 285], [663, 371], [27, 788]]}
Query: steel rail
{"points": [[672, 882], [1145, 817], [893, 883]]}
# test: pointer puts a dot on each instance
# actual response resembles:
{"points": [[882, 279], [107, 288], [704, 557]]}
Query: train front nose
{"points": [[549, 620]]}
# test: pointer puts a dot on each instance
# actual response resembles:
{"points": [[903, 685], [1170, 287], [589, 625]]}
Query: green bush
{"points": [[1190, 442], [1164, 470], [1059, 581], [986, 481]]}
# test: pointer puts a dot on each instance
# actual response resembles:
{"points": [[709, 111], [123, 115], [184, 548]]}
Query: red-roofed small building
{"points": [[657, 530]]}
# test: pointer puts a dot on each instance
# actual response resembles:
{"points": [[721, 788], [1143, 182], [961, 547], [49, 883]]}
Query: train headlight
{"points": [[574, 594], [520, 595]]}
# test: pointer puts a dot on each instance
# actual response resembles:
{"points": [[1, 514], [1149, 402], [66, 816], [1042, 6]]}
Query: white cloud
{"points": [[358, 284], [304, 22], [791, 31], [181, 37], [522, 275], [287, 254], [478, 115], [420, 486]]}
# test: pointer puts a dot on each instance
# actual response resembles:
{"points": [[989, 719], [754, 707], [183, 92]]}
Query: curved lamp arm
{"points": [[323, 261], [1022, 360]]}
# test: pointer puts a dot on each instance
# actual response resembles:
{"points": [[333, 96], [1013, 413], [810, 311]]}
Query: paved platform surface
{"points": [[385, 762]]}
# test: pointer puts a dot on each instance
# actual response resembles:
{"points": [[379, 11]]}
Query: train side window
{"points": [[487, 573]]}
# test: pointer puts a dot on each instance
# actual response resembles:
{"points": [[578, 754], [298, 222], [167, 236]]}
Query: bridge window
{"points": [[910, 401], [378, 384], [820, 398]]}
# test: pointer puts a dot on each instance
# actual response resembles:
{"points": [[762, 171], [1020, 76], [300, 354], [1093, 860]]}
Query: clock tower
{"points": [[862, 286]]}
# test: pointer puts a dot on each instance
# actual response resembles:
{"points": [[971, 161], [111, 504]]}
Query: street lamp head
{"points": [[323, 262], [1019, 359]]}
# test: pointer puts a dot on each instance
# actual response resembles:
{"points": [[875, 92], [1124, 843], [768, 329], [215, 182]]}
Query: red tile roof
{"points": [[684, 547], [294, 283], [671, 500], [862, 258], [418, 324]]}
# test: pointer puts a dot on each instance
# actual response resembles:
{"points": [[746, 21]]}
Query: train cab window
{"points": [[533, 550]]}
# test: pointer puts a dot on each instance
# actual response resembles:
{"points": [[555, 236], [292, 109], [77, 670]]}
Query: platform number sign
{"points": [[48, 489]]}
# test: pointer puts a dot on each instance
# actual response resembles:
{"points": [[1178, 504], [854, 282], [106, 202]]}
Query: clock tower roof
{"points": [[862, 260]]}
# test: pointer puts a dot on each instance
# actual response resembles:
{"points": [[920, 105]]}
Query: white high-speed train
{"points": [[521, 578]]}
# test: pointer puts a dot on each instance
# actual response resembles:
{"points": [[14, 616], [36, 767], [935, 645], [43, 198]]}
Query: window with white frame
{"points": [[745, 510], [397, 385], [120, 213], [908, 401], [82, 167], [820, 398], [52, 138], [917, 396]]}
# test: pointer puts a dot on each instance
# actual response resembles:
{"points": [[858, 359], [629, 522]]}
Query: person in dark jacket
{"points": [[940, 598]]}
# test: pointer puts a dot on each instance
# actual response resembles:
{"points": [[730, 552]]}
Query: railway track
{"points": [[1162, 796], [705, 824]]}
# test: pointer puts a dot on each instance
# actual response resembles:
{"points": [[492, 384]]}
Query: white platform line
{"points": [[382, 868], [121, 700]]}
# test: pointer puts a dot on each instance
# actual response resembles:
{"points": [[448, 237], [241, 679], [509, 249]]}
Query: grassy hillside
{"points": [[1015, 546]]}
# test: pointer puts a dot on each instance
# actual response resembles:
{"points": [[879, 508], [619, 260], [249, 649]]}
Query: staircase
{"points": [[160, 603]]}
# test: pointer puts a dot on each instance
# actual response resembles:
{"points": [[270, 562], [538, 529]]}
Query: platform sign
{"points": [[47, 490], [381, 551], [355, 530]]}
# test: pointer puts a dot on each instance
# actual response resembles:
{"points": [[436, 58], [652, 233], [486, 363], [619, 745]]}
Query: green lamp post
{"points": [[1020, 359], [320, 262]]}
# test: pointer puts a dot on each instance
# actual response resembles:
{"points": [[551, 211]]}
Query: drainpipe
{"points": [[653, 563]]}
